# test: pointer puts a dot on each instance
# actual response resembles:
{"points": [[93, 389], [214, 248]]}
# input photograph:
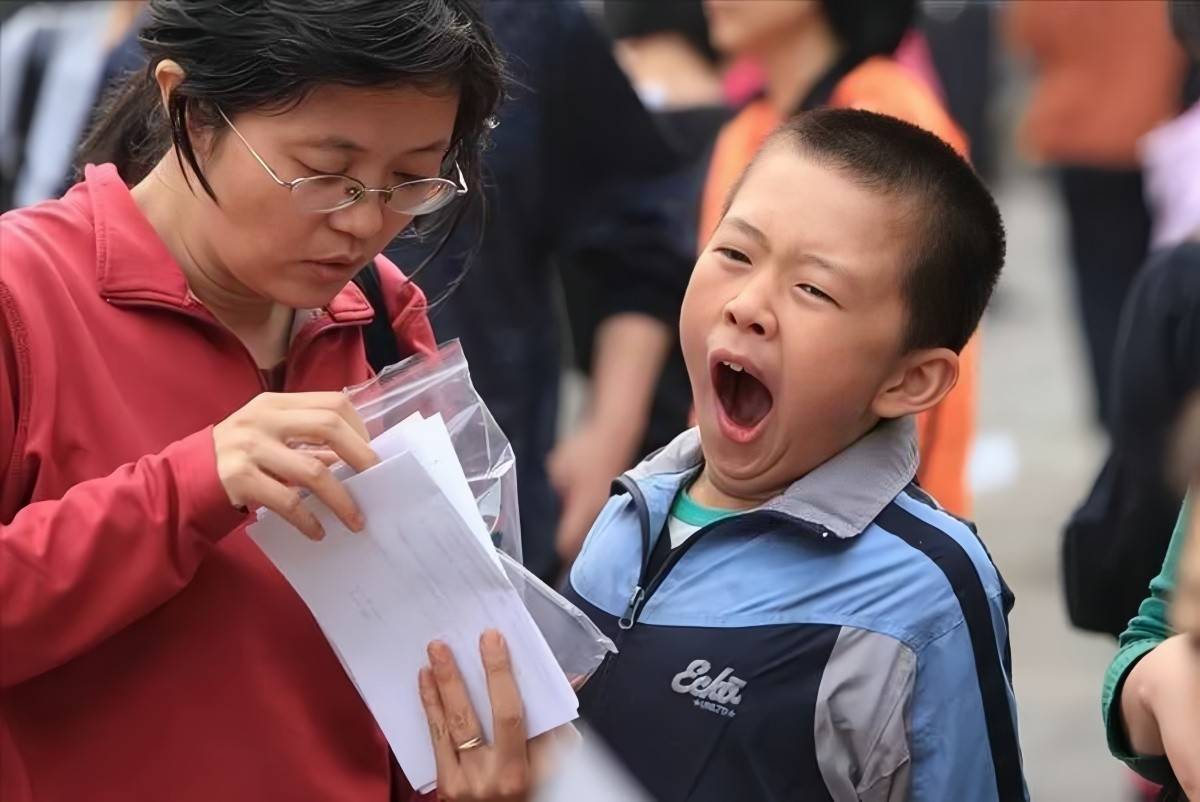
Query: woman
{"points": [[1102, 78], [167, 330]]}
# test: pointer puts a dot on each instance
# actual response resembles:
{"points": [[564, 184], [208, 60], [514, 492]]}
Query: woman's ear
{"points": [[920, 382], [168, 75]]}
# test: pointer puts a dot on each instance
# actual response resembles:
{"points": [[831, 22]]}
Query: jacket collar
{"points": [[842, 496], [133, 265]]}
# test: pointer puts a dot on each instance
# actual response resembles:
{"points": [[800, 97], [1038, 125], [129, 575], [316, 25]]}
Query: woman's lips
{"points": [[331, 270]]}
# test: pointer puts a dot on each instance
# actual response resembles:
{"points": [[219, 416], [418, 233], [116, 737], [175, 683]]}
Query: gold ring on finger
{"points": [[471, 743]]}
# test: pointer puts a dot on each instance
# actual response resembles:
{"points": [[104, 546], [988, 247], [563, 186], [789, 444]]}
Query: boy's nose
{"points": [[747, 310]]}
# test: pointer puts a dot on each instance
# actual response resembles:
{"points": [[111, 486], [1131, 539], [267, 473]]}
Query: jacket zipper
{"points": [[647, 585]]}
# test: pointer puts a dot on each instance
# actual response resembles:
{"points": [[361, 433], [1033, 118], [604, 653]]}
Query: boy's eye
{"points": [[730, 253], [815, 292]]}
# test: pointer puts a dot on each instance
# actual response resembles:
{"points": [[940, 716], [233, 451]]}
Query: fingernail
{"points": [[319, 534], [492, 639], [357, 522], [437, 652]]}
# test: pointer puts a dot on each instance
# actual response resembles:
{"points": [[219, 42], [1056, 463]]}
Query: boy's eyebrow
{"points": [[761, 239], [750, 231]]}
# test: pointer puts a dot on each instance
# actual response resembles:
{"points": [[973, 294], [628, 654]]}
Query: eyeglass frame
{"points": [[460, 188]]}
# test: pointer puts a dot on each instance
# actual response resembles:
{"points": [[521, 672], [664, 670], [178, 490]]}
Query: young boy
{"points": [[796, 619]]}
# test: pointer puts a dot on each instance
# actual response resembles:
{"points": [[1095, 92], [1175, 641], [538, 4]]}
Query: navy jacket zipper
{"points": [[647, 585]]}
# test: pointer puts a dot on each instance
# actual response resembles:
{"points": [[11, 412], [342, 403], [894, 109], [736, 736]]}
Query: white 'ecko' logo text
{"points": [[714, 695]]}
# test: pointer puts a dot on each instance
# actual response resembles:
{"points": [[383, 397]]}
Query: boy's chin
{"points": [[753, 479], [733, 458]]}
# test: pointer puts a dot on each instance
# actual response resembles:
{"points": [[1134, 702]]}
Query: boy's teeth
{"points": [[735, 367]]}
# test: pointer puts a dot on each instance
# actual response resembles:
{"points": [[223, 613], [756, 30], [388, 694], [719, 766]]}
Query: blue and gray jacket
{"points": [[847, 641]]}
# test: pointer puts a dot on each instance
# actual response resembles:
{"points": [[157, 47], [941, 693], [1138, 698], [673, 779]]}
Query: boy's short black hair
{"points": [[958, 238]]}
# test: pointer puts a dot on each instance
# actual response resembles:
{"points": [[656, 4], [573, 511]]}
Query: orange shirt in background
{"points": [[881, 85], [1105, 74]]}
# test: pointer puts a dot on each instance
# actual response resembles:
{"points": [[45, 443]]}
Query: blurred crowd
{"points": [[625, 124]]}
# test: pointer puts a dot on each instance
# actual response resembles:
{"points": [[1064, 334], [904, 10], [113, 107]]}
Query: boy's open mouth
{"points": [[745, 400]]}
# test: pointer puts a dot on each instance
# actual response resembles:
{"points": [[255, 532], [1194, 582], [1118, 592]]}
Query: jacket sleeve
{"points": [[76, 570], [861, 716], [963, 722], [1146, 631]]}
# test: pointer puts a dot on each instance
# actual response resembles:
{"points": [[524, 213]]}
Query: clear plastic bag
{"points": [[441, 384]]}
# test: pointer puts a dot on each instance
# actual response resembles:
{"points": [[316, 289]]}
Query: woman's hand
{"points": [[1160, 706], [258, 466], [470, 770]]}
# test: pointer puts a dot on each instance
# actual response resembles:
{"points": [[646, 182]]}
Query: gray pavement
{"points": [[1038, 454]]}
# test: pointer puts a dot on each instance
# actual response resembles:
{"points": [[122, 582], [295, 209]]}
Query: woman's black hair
{"points": [[243, 55], [268, 55]]}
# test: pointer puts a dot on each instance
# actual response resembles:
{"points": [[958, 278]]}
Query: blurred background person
{"points": [[56, 60], [815, 54], [1114, 544], [664, 49], [573, 144], [960, 37], [1104, 75], [1151, 697]]}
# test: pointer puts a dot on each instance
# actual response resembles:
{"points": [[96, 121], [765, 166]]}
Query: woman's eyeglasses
{"points": [[323, 194]]}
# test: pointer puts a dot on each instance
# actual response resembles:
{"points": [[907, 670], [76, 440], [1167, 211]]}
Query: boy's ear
{"points": [[920, 381]]}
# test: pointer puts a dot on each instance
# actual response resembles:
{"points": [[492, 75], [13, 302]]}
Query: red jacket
{"points": [[148, 649]]}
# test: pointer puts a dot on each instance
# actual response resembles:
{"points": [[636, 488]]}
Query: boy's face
{"points": [[799, 290]]}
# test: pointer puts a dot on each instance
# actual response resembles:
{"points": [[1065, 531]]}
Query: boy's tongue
{"points": [[745, 399]]}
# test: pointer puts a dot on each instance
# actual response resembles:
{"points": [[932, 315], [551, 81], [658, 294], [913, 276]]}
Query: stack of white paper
{"points": [[424, 569]]}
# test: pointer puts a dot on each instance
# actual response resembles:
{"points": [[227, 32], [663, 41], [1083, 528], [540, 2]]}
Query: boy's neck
{"points": [[707, 494], [795, 63]]}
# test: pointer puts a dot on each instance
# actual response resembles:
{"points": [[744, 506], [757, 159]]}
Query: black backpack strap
{"points": [[378, 338]]}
